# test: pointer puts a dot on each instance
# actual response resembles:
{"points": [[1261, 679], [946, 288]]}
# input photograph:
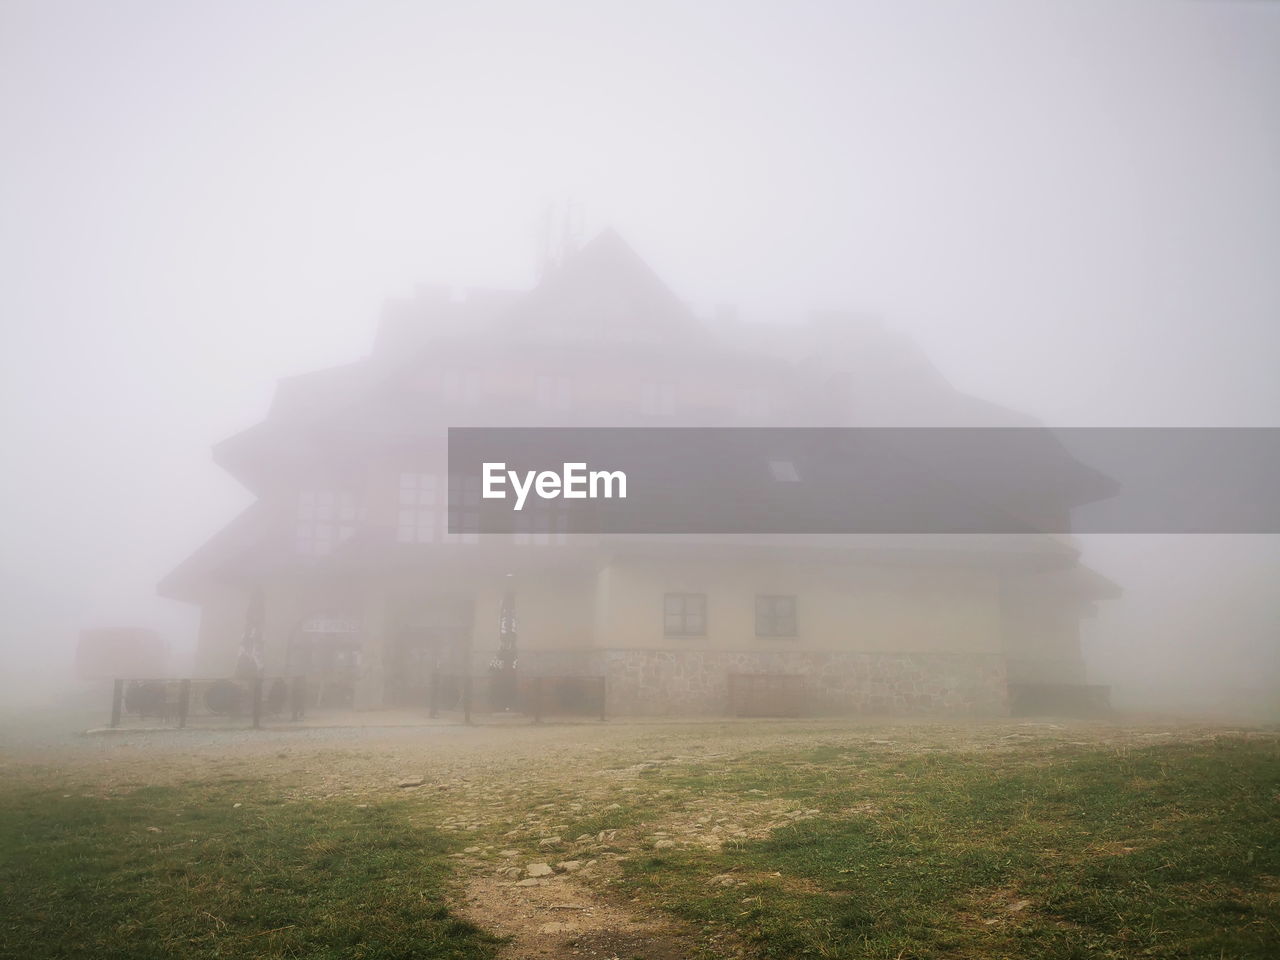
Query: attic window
{"points": [[784, 471]]}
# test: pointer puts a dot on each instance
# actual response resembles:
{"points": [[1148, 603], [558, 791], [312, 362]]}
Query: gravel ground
{"points": [[376, 750]]}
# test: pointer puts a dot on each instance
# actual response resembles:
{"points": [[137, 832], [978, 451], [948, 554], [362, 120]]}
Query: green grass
{"points": [[1039, 848], [1063, 853], [87, 876]]}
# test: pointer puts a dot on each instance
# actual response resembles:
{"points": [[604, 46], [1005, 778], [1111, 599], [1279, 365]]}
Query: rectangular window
{"points": [[542, 524], [784, 471], [775, 615], [418, 508], [464, 510], [684, 614], [325, 518]]}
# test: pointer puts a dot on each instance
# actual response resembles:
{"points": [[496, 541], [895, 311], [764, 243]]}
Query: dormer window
{"points": [[784, 471], [554, 393]]}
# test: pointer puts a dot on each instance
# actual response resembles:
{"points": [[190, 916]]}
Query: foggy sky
{"points": [[1074, 208]]}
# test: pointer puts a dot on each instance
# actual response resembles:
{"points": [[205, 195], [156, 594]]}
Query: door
{"points": [[431, 641]]}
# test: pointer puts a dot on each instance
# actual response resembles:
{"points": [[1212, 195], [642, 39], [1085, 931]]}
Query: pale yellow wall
{"points": [[839, 607], [283, 609], [222, 612], [858, 607], [1041, 632], [222, 623], [554, 611]]}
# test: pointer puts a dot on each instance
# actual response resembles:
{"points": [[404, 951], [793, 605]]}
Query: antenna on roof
{"points": [[572, 239], [560, 234]]}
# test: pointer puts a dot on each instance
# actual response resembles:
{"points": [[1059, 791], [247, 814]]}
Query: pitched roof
{"points": [[605, 285], [243, 533]]}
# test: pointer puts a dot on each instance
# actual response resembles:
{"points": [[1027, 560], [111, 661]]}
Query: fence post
{"points": [[297, 698], [603, 693], [184, 702], [435, 692], [117, 697], [537, 699], [257, 702], [466, 699]]}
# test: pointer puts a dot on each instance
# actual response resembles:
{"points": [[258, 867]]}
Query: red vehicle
{"points": [[107, 652]]}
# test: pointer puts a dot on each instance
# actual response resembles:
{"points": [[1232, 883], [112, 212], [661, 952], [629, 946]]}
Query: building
{"points": [[344, 569]]}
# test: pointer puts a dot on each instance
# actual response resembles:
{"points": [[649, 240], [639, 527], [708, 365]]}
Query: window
{"points": [[554, 393], [658, 399], [464, 510], [775, 615], [325, 518], [784, 471], [425, 516], [684, 615], [417, 519], [542, 524]]}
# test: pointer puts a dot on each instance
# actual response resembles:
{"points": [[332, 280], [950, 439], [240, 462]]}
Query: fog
{"points": [[1072, 209]]}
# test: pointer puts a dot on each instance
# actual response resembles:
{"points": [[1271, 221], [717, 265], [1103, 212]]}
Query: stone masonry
{"points": [[696, 682]]}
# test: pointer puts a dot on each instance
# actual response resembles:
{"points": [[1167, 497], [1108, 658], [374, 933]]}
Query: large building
{"points": [[344, 569]]}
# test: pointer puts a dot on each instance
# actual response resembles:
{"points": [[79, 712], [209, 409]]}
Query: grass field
{"points": [[770, 841], [1159, 852], [167, 871]]}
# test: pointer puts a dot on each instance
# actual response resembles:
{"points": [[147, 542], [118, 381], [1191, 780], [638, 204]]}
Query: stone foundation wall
{"points": [[696, 682]]}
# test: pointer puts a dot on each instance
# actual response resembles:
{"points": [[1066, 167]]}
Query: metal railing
{"points": [[536, 697], [221, 701]]}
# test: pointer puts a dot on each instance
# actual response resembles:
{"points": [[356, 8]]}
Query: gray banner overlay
{"points": [[778, 480]]}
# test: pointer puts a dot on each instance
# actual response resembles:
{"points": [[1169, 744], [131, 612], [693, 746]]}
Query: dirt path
{"points": [[565, 915]]}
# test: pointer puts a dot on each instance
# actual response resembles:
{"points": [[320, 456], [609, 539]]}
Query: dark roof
{"points": [[876, 377], [605, 284], [244, 533]]}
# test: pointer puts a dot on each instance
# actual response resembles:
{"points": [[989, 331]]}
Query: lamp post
{"points": [[503, 666], [249, 662]]}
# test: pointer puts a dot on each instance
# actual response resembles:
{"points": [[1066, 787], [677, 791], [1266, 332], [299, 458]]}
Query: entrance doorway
{"points": [[326, 650], [430, 637]]}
